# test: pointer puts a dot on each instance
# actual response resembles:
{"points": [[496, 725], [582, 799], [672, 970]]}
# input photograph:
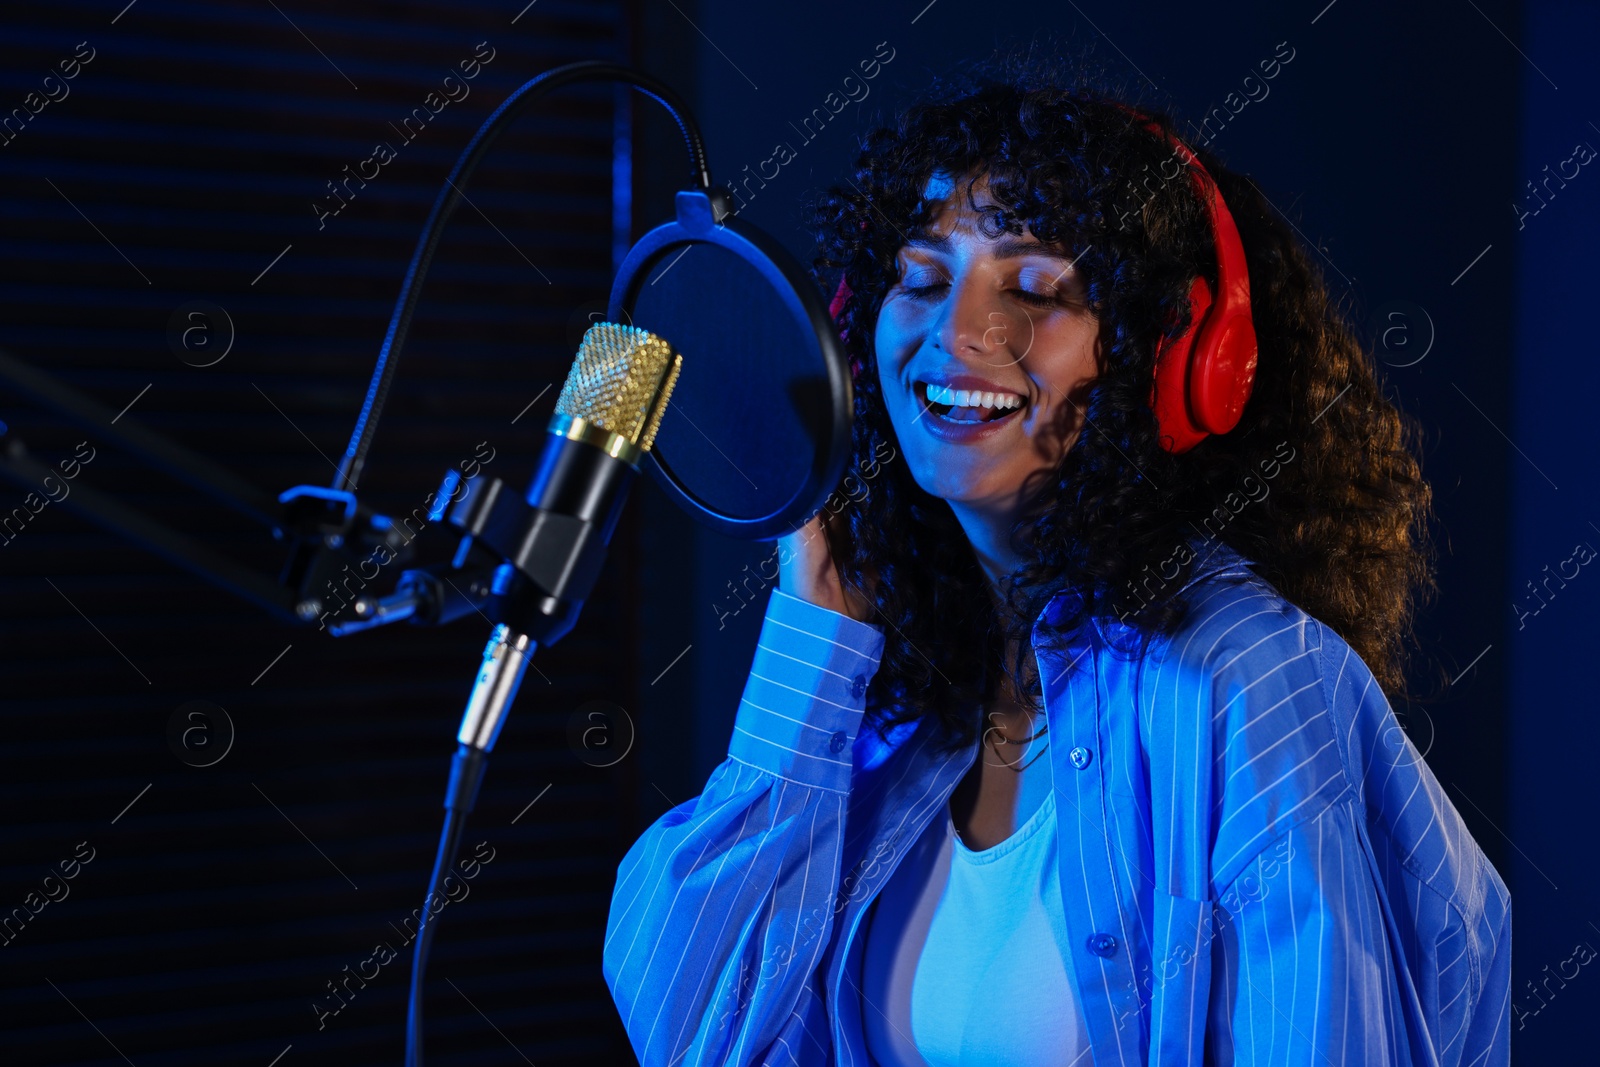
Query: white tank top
{"points": [[963, 962]]}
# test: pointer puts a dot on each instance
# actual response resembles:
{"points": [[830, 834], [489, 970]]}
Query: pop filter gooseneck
{"points": [[450, 197]]}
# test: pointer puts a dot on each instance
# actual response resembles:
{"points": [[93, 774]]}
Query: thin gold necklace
{"points": [[1004, 740]]}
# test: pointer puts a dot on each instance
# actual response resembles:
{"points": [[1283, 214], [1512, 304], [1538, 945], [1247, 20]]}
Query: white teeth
{"points": [[961, 398]]}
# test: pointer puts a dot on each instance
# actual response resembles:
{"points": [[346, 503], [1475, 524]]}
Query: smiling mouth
{"points": [[978, 407]]}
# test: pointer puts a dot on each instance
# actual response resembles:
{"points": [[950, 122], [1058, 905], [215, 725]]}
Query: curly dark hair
{"points": [[1343, 532]]}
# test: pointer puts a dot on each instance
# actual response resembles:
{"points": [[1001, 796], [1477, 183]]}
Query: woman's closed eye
{"points": [[1039, 288], [917, 289], [923, 284], [1037, 299]]}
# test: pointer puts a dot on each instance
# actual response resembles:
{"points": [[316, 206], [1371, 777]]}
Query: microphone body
{"points": [[553, 539]]}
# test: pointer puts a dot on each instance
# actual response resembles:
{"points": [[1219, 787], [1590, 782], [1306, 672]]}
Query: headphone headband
{"points": [[1204, 376]]}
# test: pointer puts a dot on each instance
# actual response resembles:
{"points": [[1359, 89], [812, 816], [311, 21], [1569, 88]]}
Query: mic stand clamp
{"points": [[551, 546], [331, 536]]}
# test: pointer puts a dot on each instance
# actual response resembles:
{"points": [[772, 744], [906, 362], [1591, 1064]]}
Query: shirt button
{"points": [[837, 742], [858, 685], [1103, 945], [1080, 757]]}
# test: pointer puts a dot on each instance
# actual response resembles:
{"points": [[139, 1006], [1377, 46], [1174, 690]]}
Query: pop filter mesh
{"points": [[751, 409]]}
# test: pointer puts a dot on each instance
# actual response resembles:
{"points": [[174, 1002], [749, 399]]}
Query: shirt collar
{"points": [[1213, 559]]}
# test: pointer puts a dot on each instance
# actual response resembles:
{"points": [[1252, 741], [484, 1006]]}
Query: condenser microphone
{"points": [[552, 543], [605, 421]]}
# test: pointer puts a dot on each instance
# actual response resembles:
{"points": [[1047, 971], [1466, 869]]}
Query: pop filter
{"points": [[757, 433]]}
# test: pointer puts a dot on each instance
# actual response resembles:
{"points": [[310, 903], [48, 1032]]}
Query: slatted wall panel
{"points": [[223, 905]]}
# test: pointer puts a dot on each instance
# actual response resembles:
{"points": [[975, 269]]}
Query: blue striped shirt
{"points": [[1256, 865]]}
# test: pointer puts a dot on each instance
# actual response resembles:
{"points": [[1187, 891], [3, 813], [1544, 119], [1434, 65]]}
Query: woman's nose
{"points": [[971, 321]]}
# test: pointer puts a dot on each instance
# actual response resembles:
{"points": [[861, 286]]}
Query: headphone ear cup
{"points": [[1223, 373], [1170, 392], [1223, 370]]}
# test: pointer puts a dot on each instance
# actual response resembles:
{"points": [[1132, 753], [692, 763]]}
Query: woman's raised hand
{"points": [[806, 569]]}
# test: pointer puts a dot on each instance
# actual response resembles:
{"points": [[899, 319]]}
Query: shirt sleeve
{"points": [[1316, 848], [723, 906], [1302, 971], [1306, 970]]}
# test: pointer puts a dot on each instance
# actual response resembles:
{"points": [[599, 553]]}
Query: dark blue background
{"points": [[1397, 141]]}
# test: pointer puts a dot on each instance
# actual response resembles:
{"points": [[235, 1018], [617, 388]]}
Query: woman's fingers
{"points": [[806, 568]]}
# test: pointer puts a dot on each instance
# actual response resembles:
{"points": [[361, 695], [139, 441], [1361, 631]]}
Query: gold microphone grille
{"points": [[621, 382]]}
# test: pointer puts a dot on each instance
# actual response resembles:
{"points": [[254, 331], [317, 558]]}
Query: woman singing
{"points": [[1067, 738]]}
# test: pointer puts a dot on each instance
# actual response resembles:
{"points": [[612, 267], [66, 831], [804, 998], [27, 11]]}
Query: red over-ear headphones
{"points": [[1204, 376]]}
